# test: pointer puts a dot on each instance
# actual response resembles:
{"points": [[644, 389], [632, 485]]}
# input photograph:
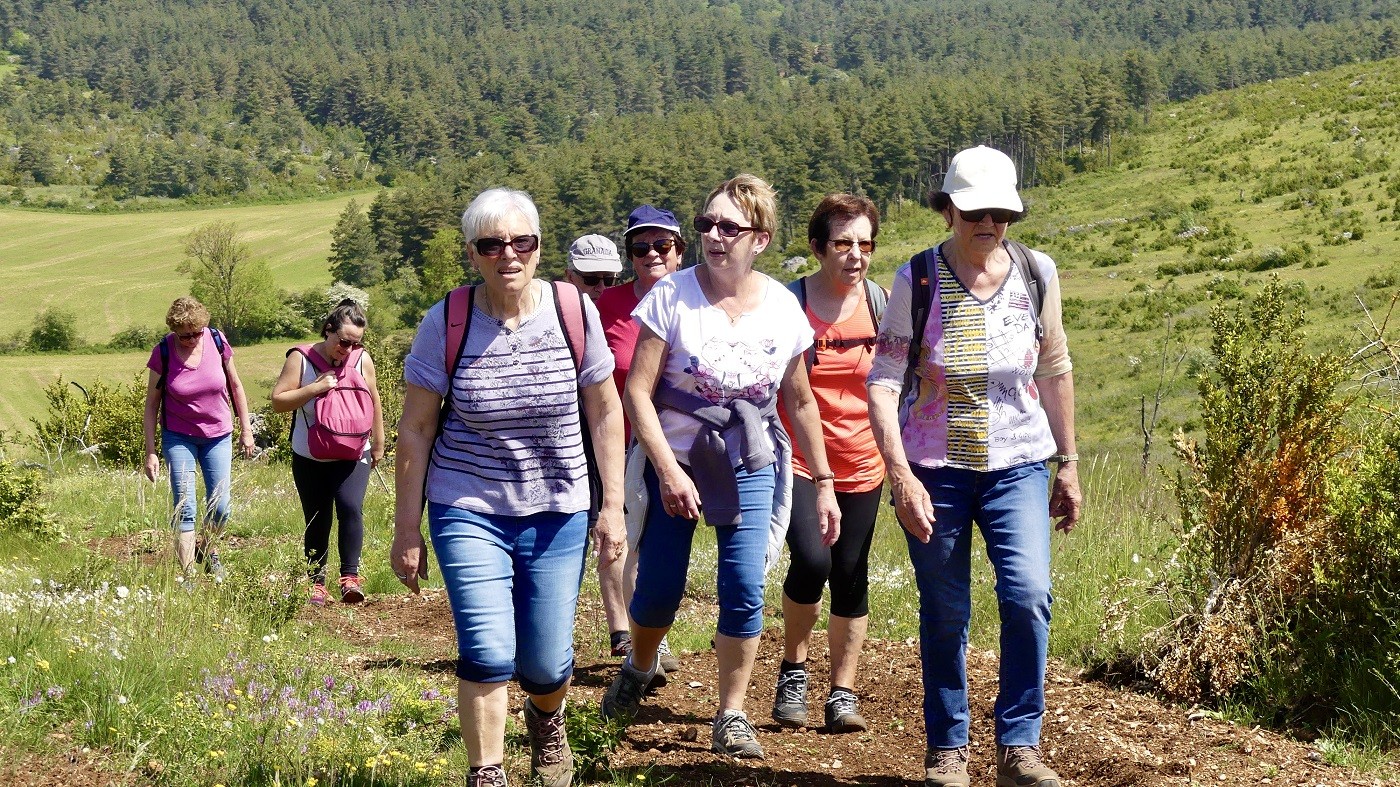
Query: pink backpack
{"points": [[344, 414]]}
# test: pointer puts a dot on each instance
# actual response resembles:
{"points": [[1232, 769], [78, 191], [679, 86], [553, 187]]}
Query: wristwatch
{"points": [[1060, 459]]}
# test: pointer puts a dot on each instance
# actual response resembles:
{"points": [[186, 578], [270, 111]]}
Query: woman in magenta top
{"points": [[193, 392]]}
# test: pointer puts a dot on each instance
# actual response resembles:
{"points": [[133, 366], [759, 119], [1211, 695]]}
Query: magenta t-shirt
{"points": [[196, 400]]}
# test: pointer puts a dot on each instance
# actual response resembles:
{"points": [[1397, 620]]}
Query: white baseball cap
{"points": [[594, 254], [982, 177]]}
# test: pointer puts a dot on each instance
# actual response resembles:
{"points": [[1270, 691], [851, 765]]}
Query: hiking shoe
{"points": [[668, 660], [1023, 766], [486, 776], [623, 648], [551, 760], [841, 715], [733, 736], [624, 697], [790, 705], [947, 768], [319, 595], [350, 590], [215, 567]]}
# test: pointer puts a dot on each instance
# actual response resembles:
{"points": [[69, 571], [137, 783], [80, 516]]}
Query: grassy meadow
{"points": [[118, 270], [1209, 200]]}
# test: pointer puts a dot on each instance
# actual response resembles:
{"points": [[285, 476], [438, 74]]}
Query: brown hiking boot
{"points": [[1023, 766], [946, 768], [551, 760]]}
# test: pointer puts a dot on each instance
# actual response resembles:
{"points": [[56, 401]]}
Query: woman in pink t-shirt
{"points": [[191, 384]]}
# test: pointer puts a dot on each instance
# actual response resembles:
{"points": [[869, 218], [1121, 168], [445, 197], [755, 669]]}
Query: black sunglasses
{"points": [[495, 247], [843, 245], [346, 344], [727, 228], [191, 335], [999, 215], [640, 248], [594, 279]]}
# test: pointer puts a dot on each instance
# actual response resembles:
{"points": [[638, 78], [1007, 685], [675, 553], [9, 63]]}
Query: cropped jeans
{"points": [[1011, 508], [211, 456], [663, 559], [513, 585]]}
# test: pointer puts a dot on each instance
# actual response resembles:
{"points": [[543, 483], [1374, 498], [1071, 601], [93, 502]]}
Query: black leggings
{"points": [[846, 563], [321, 485]]}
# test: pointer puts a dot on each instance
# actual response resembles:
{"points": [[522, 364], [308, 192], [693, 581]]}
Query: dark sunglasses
{"points": [[999, 215], [639, 248], [495, 247], [843, 245], [191, 335], [346, 344], [594, 279], [727, 228]]}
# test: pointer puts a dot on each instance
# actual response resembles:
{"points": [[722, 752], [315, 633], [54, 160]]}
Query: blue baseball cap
{"points": [[644, 216]]}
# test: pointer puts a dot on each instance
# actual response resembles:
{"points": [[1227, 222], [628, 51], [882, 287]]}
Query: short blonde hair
{"points": [[187, 312], [755, 198]]}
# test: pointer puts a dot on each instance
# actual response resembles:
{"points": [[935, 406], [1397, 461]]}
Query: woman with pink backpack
{"points": [[337, 438]]}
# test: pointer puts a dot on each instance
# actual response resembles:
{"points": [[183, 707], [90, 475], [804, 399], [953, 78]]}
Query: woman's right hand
{"points": [[327, 381], [679, 497], [912, 505], [152, 466], [406, 557]]}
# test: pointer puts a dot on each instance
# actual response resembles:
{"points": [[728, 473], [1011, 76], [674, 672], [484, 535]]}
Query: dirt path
{"points": [[1095, 735]]}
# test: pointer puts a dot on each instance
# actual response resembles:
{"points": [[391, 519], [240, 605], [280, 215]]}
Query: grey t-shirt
{"points": [[512, 443]]}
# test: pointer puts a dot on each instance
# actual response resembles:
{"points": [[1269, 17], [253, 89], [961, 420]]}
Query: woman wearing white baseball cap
{"points": [[971, 400]]}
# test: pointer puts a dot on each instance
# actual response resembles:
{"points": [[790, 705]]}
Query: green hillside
{"points": [[118, 270], [1298, 178]]}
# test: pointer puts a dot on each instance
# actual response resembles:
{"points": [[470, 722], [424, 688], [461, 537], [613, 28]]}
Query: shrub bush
{"points": [[102, 420], [55, 330], [21, 508], [137, 337]]}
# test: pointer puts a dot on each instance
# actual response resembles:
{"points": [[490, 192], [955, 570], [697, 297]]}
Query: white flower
{"points": [[122, 591], [122, 700]]}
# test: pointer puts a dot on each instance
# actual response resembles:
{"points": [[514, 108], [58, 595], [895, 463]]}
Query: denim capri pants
{"points": [[513, 584]]}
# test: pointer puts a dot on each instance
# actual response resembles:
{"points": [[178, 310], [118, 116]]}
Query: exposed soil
{"points": [[1094, 735]]}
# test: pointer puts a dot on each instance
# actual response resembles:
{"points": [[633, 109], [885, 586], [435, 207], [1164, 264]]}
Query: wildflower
{"points": [[122, 591], [42, 664], [122, 700], [311, 781]]}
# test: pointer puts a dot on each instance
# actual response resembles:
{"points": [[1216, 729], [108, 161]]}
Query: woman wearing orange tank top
{"points": [[841, 307]]}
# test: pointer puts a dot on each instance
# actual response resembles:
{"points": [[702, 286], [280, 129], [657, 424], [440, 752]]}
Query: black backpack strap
{"points": [[164, 348], [1024, 260], [921, 267], [875, 300], [798, 287]]}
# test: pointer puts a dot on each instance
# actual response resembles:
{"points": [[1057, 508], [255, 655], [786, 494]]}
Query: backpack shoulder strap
{"points": [[798, 287], [311, 357], [1024, 260], [920, 269], [457, 317], [568, 307], [164, 347], [875, 300]]}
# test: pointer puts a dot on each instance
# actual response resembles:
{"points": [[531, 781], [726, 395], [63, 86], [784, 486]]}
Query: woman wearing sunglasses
{"points": [[720, 344], [989, 402], [329, 486], [654, 246], [189, 391], [843, 308], [505, 476]]}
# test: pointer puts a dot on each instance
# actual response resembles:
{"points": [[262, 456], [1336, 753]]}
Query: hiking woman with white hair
{"points": [[971, 398], [526, 375]]}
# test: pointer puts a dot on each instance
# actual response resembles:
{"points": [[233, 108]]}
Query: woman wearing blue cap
{"points": [[654, 244], [973, 338]]}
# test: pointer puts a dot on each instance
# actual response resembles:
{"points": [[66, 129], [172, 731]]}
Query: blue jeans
{"points": [[213, 456], [663, 558], [1011, 508], [513, 585]]}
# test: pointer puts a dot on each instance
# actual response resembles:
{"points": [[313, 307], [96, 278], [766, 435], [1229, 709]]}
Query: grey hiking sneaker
{"points": [[1024, 766], [551, 760], [946, 768], [733, 736], [790, 704], [215, 567], [624, 697], [841, 715], [486, 776], [669, 662]]}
